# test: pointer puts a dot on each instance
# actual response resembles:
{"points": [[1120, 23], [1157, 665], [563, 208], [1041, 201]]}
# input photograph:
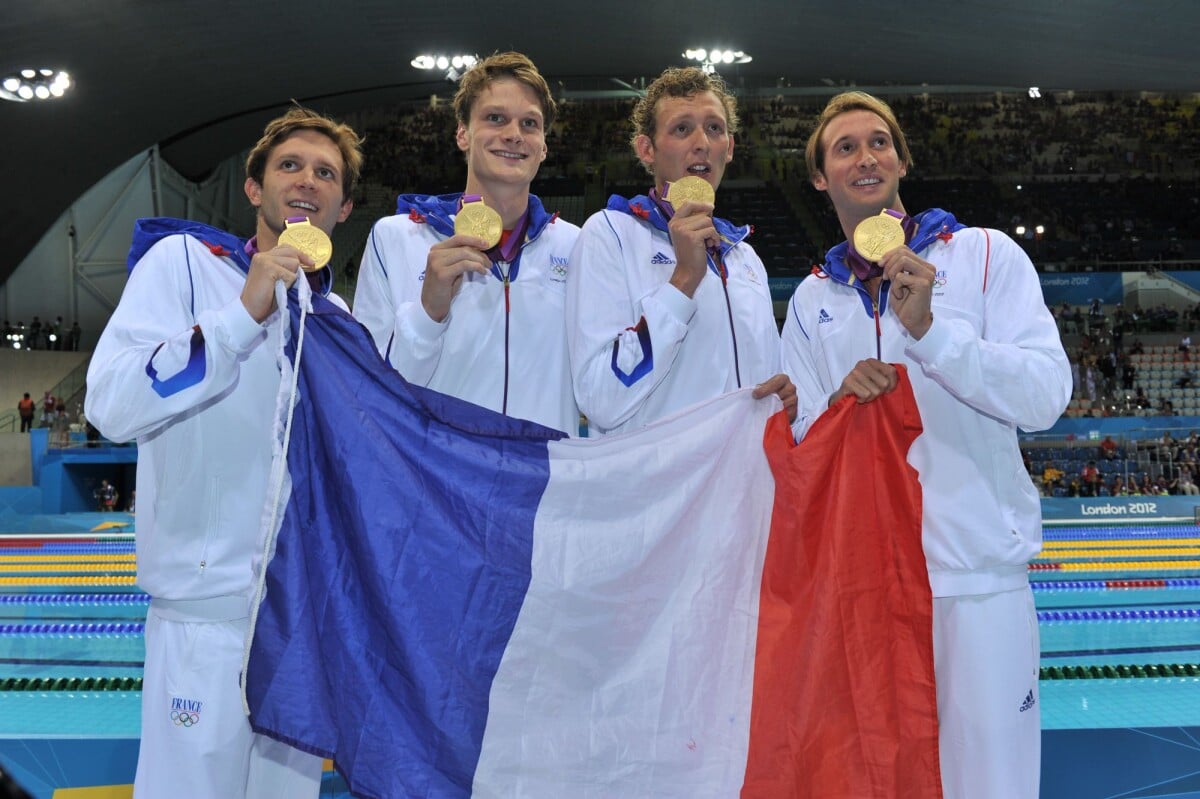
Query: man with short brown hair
{"points": [[187, 367], [668, 305], [477, 319]]}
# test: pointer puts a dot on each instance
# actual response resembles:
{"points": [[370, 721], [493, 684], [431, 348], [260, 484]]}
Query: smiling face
{"points": [[302, 177], [504, 138], [861, 170], [691, 138]]}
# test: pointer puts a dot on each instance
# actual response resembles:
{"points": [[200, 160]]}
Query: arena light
{"points": [[34, 84], [709, 59], [451, 66]]}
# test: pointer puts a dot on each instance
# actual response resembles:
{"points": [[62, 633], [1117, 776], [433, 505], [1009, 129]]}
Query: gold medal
{"points": [[692, 188], [876, 236], [476, 219], [310, 240]]}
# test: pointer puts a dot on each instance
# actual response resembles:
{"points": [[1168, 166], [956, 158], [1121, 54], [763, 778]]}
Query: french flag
{"points": [[461, 604]]}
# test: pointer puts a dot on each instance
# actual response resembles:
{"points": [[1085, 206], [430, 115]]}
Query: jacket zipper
{"points": [[507, 315], [878, 329], [720, 265]]}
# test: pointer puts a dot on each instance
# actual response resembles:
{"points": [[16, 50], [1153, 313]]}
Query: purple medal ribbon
{"points": [[865, 270], [251, 247], [668, 211]]}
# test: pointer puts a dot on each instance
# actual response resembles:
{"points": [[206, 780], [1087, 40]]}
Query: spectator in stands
{"points": [[984, 358], [204, 440], [668, 305], [1063, 315], [1095, 320], [1183, 483], [1118, 487], [1128, 374], [1107, 365], [1187, 456], [1108, 448], [60, 429], [1168, 449], [1091, 380], [1052, 477], [1185, 346], [92, 434], [25, 409], [453, 312], [48, 406], [1091, 479]]}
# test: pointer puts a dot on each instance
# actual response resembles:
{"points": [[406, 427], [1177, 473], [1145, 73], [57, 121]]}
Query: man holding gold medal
{"points": [[962, 309], [187, 367], [464, 293], [668, 305]]}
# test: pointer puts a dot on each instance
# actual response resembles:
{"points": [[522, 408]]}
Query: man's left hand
{"points": [[780, 385]]}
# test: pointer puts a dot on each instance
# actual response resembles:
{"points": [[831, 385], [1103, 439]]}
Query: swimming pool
{"points": [[1118, 613]]}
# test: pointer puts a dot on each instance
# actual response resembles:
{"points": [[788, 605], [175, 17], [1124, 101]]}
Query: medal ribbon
{"points": [[508, 247], [315, 279], [252, 245], [863, 269], [668, 211]]}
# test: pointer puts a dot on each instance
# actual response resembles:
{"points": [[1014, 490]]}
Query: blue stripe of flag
{"points": [[392, 638]]}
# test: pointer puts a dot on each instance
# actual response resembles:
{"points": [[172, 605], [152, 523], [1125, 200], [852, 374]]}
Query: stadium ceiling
{"points": [[200, 77]]}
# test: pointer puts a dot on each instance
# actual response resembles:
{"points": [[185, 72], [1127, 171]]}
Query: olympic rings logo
{"points": [[184, 718]]}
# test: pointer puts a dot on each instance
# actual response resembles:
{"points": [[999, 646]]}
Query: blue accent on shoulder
{"points": [[150, 230], [439, 211], [930, 223], [645, 365], [646, 209], [191, 374]]}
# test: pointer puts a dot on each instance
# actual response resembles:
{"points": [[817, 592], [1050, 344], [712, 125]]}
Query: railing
{"points": [[1142, 451], [75, 438], [72, 385]]}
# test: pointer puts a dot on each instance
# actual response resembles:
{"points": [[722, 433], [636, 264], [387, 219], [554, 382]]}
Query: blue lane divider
{"points": [[1165, 614], [72, 549], [1107, 585], [74, 628], [1121, 533], [75, 599]]}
